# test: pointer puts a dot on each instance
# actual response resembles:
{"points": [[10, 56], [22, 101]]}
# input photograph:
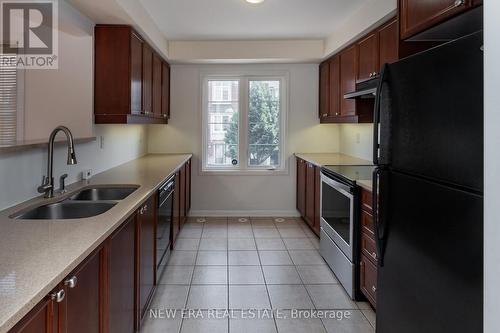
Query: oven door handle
{"points": [[343, 188]]}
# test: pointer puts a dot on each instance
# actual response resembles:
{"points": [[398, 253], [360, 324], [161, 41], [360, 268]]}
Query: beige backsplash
{"points": [[351, 145]]}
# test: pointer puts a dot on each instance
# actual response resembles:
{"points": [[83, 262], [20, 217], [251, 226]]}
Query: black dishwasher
{"points": [[164, 224]]}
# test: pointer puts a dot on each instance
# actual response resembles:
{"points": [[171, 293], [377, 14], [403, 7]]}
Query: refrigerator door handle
{"points": [[376, 116], [379, 209]]}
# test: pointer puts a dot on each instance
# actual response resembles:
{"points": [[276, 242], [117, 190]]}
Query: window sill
{"points": [[264, 172]]}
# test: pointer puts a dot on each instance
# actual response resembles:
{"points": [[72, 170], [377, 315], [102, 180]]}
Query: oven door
{"points": [[337, 213]]}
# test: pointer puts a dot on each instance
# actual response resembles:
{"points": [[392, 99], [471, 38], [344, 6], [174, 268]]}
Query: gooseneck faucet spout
{"points": [[47, 186]]}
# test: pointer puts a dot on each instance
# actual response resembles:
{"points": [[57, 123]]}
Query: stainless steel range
{"points": [[339, 237]]}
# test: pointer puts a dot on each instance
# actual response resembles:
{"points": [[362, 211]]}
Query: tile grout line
{"points": [[192, 275], [264, 277]]}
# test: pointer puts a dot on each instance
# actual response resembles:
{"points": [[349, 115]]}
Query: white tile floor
{"points": [[234, 265]]}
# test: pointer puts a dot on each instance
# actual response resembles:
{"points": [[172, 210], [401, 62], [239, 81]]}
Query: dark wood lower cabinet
{"points": [[308, 193], [42, 319], [83, 302], [110, 291], [121, 279], [368, 262], [145, 256]]}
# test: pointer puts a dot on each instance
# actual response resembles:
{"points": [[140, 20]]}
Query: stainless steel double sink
{"points": [[86, 203]]}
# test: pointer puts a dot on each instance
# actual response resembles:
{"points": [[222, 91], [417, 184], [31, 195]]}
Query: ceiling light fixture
{"points": [[254, 1]]}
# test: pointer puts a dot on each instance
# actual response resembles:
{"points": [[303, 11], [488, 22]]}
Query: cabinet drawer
{"points": [[369, 280], [366, 200], [367, 225], [368, 247]]}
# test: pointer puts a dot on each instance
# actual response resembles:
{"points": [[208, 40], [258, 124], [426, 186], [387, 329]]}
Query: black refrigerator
{"points": [[428, 148]]}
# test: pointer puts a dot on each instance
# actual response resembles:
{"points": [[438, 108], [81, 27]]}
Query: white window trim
{"points": [[244, 76]]}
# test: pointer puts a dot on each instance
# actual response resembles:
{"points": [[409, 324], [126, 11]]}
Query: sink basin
{"points": [[103, 193], [66, 210]]}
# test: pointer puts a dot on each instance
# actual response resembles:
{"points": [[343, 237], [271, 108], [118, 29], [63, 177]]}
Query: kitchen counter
{"points": [[322, 159], [35, 255]]}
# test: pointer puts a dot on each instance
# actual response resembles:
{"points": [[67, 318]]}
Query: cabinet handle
{"points": [[141, 211], [325, 114], [371, 74], [58, 296], [164, 115], [336, 113], [71, 282], [145, 208], [374, 289], [374, 255], [459, 3]]}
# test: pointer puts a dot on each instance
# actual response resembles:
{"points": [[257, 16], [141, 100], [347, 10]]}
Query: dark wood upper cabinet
{"points": [[301, 186], [417, 15], [147, 79], [126, 77], [82, 303], [368, 54], [334, 89], [324, 90], [136, 74], [165, 91], [157, 87], [145, 256], [120, 279], [348, 80], [388, 39], [310, 188]]}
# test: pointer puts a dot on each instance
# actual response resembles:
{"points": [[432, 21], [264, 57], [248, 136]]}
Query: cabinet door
{"points": [[188, 186], [301, 186], [368, 57], [368, 280], [418, 15], [121, 279], [147, 78], [82, 297], [324, 89], [388, 43], [310, 184], [146, 263], [136, 74], [317, 199], [348, 80], [42, 318], [182, 199], [335, 98], [165, 88], [177, 208], [157, 88]]}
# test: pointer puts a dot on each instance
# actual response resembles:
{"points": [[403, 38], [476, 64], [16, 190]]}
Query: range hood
{"points": [[364, 90]]}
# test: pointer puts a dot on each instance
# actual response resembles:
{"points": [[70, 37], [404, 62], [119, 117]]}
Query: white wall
{"points": [[21, 172], [244, 195], [357, 140], [63, 96], [492, 165]]}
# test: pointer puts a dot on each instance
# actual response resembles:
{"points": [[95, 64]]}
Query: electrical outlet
{"points": [[358, 138], [87, 174]]}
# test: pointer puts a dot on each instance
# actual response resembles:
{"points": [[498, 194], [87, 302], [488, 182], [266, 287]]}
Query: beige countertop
{"points": [[321, 159], [35, 255]]}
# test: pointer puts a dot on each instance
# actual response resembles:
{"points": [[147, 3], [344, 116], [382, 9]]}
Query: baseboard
{"points": [[249, 213]]}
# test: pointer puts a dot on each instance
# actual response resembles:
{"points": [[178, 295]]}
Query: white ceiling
{"points": [[238, 20]]}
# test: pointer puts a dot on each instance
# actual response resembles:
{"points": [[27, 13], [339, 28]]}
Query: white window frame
{"points": [[244, 77]]}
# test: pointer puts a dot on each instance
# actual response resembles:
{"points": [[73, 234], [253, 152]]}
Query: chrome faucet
{"points": [[47, 186]]}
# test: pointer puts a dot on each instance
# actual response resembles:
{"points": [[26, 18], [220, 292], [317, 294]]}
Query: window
{"points": [[8, 99], [243, 123]]}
